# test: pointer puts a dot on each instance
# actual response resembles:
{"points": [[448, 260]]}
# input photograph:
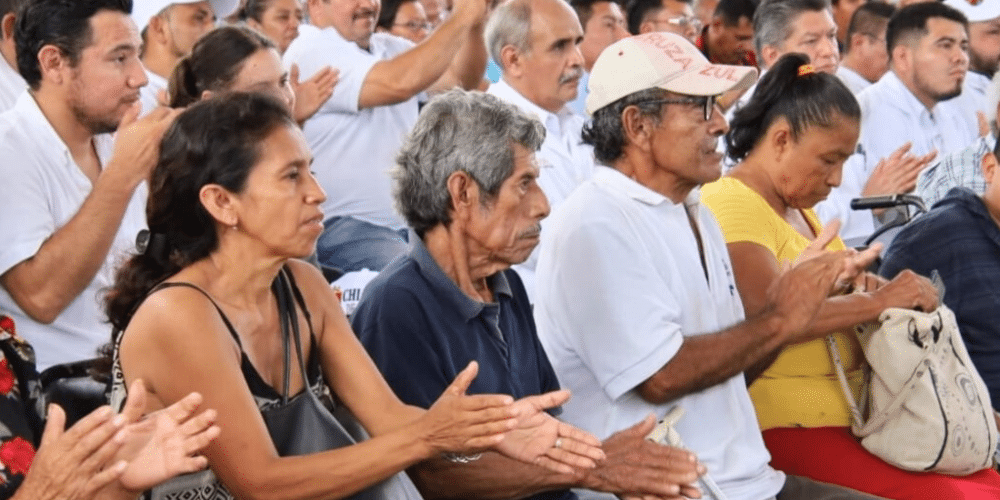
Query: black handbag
{"points": [[305, 424]]}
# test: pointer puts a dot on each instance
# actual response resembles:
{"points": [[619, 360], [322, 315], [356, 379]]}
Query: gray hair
{"points": [[510, 24], [772, 23], [459, 131]]}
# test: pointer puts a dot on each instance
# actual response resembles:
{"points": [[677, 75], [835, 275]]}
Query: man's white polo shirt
{"points": [[149, 95], [12, 85], [620, 284], [564, 160], [354, 148], [42, 190], [854, 82]]}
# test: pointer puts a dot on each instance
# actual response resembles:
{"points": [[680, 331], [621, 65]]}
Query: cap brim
{"points": [[712, 79], [224, 8]]}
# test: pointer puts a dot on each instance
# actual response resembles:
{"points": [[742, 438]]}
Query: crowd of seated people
{"points": [[566, 220]]}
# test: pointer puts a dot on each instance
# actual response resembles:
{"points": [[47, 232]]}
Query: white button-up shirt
{"points": [[564, 160], [973, 97], [354, 149], [42, 189], [890, 117], [620, 285], [149, 95], [855, 82], [12, 85]]}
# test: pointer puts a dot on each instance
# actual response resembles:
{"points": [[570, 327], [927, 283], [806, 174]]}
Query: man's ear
{"points": [[7, 26], [51, 63], [638, 128], [464, 193], [219, 203], [510, 61], [989, 167], [769, 55]]}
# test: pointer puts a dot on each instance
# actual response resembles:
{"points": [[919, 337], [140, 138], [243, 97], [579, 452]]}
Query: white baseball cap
{"points": [[660, 60], [976, 11], [144, 10]]}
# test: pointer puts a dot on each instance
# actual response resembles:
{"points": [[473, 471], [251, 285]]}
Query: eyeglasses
{"points": [[708, 103], [682, 22], [415, 25]]}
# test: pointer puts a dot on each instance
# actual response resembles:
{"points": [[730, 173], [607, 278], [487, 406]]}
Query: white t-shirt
{"points": [[42, 190], [620, 284], [149, 95], [12, 85], [564, 161], [890, 117], [354, 148], [855, 82]]}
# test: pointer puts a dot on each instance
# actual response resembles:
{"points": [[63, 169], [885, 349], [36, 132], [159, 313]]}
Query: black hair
{"points": [[731, 11], [911, 21], [8, 6], [387, 16], [215, 141], [637, 11], [870, 19], [253, 9], [62, 23], [605, 131], [584, 9], [807, 100], [214, 62]]}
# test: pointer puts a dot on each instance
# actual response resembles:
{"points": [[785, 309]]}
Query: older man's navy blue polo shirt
{"points": [[421, 330]]}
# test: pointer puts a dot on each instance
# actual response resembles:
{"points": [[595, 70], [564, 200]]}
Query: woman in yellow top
{"points": [[791, 141]]}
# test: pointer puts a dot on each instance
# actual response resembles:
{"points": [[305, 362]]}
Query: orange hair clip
{"points": [[806, 69]]}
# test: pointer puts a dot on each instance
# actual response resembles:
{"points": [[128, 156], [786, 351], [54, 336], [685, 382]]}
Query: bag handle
{"points": [[289, 321]]}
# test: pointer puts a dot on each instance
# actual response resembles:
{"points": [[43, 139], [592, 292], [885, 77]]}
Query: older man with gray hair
{"points": [[537, 45], [466, 184]]}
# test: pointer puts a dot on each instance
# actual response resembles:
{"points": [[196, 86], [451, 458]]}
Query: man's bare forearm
{"points": [[46, 283], [492, 477]]}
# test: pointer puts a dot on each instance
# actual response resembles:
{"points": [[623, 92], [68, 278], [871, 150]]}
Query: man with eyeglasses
{"points": [[671, 16], [537, 45], [636, 305], [865, 56]]}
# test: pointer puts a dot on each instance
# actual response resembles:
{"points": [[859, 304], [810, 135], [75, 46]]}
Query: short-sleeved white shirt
{"points": [[620, 284], [149, 94], [354, 149], [12, 85], [42, 189], [564, 161]]}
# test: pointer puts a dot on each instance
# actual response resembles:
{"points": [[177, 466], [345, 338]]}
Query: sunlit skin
{"points": [[411, 22], [280, 22], [933, 67], [842, 13], [606, 26], [984, 47], [279, 208], [666, 20], [814, 34], [549, 72], [728, 44], [263, 73], [106, 80], [354, 19]]}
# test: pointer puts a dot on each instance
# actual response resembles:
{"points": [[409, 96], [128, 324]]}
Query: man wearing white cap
{"points": [[984, 51], [636, 304], [169, 30]]}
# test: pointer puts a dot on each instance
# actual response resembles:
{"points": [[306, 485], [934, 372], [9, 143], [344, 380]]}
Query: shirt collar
{"points": [[614, 179], [977, 82], [447, 290], [43, 133], [903, 97], [503, 90], [155, 81]]}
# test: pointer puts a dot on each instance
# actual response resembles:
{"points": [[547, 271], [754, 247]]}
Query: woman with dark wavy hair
{"points": [[233, 206]]}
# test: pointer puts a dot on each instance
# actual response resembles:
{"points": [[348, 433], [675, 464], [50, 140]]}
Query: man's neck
{"points": [[928, 101], [9, 53], [79, 140], [520, 86], [450, 248], [659, 180], [855, 64]]}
